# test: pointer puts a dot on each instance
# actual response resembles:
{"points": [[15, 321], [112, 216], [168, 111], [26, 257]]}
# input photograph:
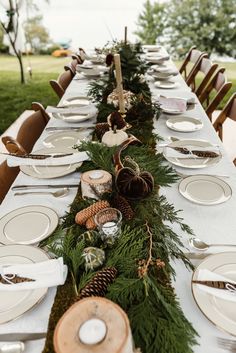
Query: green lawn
{"points": [[15, 98]]}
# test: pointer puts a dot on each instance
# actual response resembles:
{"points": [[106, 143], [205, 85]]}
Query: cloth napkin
{"points": [[44, 274], [205, 275], [175, 104], [90, 109], [14, 161]]}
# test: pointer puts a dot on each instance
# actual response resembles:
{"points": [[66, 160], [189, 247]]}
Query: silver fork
{"points": [[227, 344]]}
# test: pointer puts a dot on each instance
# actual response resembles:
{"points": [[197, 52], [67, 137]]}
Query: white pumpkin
{"points": [[114, 137]]}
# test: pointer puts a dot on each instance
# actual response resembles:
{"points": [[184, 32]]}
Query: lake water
{"points": [[90, 23]]}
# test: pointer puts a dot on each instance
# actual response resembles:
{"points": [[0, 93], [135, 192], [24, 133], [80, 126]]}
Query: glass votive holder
{"points": [[108, 222]]}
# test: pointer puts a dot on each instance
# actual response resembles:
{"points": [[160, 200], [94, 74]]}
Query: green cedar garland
{"points": [[142, 253]]}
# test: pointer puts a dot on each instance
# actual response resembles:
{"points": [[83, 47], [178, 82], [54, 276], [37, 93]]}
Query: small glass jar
{"points": [[108, 222]]}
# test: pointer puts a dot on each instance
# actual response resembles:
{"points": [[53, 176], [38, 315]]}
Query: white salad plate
{"points": [[166, 84], [73, 117], [27, 225], [221, 312], [157, 59], [151, 48], [191, 160], [184, 123], [15, 303], [50, 172], [91, 71], [63, 139], [205, 189], [79, 101]]}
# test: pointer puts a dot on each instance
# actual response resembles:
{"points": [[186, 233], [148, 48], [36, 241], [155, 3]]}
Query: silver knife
{"points": [[53, 128], [23, 187], [20, 336]]}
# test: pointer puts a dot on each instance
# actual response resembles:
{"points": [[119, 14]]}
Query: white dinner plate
{"points": [[156, 59], [151, 48], [159, 76], [219, 311], [27, 225], [191, 161], [50, 172], [166, 84], [205, 189], [14, 304], [184, 124], [79, 101], [63, 139], [73, 117]]}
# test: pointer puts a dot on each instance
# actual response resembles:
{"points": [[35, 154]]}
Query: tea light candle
{"points": [[95, 183], [92, 331], [110, 228]]}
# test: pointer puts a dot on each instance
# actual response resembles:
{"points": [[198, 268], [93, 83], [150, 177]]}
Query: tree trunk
{"points": [[22, 73]]}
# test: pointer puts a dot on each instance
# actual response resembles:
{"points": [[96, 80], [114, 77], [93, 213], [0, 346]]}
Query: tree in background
{"points": [[36, 34], [151, 22], [208, 24], [11, 29]]}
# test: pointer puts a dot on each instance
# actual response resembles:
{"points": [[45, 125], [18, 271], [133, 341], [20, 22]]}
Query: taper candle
{"points": [[119, 85]]}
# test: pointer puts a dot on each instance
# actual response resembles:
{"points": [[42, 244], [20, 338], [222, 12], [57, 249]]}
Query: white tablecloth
{"points": [[210, 223]]}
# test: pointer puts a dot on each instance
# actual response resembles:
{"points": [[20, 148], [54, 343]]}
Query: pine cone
{"points": [[82, 216], [90, 223], [99, 283], [100, 129], [123, 206], [115, 118]]}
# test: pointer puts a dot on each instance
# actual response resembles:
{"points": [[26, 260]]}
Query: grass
{"points": [[15, 98]]}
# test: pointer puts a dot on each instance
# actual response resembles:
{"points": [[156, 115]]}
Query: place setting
{"points": [[27, 272], [72, 111], [192, 153], [48, 163], [65, 139], [214, 286], [91, 71]]}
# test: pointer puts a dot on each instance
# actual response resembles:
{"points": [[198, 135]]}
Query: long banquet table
{"points": [[213, 224]]}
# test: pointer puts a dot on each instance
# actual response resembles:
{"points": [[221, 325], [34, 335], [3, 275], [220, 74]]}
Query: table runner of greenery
{"points": [[143, 253]]}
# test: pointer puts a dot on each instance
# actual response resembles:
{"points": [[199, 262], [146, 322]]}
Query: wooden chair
{"points": [[192, 57], [78, 58], [29, 131], [60, 85], [36, 106], [220, 86], [7, 177], [70, 68], [229, 111], [207, 68], [9, 174]]}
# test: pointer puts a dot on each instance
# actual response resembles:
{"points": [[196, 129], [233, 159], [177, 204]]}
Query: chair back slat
{"points": [[229, 111]]}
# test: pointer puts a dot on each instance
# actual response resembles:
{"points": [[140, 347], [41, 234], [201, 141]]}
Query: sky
{"points": [[90, 23]]}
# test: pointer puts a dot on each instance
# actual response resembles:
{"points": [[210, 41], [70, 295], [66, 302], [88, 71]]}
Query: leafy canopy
{"points": [[208, 24]]}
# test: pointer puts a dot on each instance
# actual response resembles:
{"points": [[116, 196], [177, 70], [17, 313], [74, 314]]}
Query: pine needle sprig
{"points": [[100, 154]]}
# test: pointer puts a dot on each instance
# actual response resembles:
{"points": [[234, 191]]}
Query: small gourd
{"points": [[131, 182], [114, 137]]}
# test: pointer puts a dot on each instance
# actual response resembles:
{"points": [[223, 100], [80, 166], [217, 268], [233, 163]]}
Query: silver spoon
{"points": [[201, 245], [58, 193]]}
